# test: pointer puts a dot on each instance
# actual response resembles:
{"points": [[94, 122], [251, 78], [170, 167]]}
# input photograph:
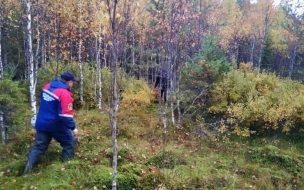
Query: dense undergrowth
{"points": [[194, 156], [148, 159]]}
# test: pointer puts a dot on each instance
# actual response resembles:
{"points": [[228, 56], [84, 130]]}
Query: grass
{"points": [[148, 159]]}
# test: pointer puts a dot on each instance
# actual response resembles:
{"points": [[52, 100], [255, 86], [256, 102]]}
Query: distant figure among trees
{"points": [[162, 82]]}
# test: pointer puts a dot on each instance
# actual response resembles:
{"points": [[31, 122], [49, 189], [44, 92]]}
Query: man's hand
{"points": [[75, 131]]}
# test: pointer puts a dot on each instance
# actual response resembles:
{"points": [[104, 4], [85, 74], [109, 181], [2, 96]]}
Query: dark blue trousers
{"points": [[43, 140]]}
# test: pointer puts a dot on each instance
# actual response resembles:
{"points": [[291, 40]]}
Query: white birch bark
{"points": [[105, 54], [3, 129], [267, 23], [99, 76], [98, 62], [252, 50], [31, 72], [171, 92], [159, 96], [178, 124], [111, 5], [171, 53], [261, 50], [292, 61]]}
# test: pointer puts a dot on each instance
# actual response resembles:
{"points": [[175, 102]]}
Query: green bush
{"points": [[254, 102], [151, 181], [48, 73], [130, 168], [135, 93], [13, 102], [103, 179], [124, 156], [167, 159], [206, 68], [273, 155]]}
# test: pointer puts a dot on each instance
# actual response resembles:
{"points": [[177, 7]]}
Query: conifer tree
{"points": [[267, 54]]}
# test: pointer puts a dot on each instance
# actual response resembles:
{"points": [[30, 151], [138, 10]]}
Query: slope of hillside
{"points": [[185, 158]]}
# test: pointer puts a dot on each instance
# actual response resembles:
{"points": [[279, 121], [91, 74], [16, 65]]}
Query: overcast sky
{"points": [[294, 4], [298, 10]]}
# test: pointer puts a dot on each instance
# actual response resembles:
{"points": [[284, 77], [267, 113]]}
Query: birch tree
{"points": [[112, 6], [98, 51], [294, 27], [30, 62], [38, 41], [99, 30], [266, 14], [3, 129]]}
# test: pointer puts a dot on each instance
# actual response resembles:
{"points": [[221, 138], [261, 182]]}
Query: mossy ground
{"points": [[149, 159]]}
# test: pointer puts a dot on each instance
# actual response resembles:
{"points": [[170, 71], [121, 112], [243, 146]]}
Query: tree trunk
{"points": [[140, 57], [178, 124], [99, 81], [104, 53], [292, 61], [171, 76], [260, 52], [1, 64], [43, 49], [200, 20], [133, 52], [43, 41], [114, 113], [32, 77], [38, 44], [3, 129], [98, 62], [79, 53], [252, 50], [266, 24], [115, 93]]}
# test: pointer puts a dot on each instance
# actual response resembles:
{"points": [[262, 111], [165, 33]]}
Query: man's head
{"points": [[69, 78]]}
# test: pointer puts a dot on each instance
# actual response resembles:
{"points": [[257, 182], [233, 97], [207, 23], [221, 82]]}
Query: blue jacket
{"points": [[56, 108]]}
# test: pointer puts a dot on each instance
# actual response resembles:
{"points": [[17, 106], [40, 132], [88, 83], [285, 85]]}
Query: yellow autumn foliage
{"points": [[137, 95], [254, 102]]}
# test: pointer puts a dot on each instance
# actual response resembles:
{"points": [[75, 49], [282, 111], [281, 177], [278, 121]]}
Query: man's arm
{"points": [[65, 111]]}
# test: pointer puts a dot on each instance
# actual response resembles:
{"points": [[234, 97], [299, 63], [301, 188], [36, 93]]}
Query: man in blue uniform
{"points": [[55, 120]]}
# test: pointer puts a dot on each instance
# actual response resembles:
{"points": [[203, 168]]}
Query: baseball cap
{"points": [[68, 76]]}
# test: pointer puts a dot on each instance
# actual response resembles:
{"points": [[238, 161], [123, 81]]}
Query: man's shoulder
{"points": [[62, 92], [46, 86]]}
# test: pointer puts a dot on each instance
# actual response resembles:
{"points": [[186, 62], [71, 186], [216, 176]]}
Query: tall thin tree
{"points": [[111, 6], [80, 50], [267, 10], [1, 64], [30, 62], [98, 53]]}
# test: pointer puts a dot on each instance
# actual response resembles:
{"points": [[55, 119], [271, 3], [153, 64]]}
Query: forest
{"points": [[234, 113]]}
